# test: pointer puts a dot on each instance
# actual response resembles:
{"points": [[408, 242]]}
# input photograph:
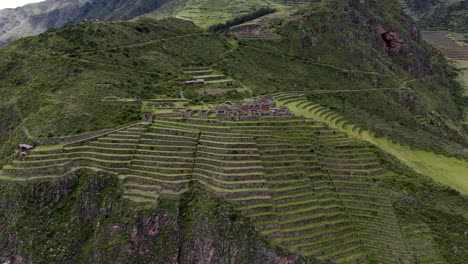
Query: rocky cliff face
{"points": [[34, 19], [84, 219]]}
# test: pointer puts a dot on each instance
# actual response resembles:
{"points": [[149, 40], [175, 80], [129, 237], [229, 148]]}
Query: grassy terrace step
{"points": [[155, 158], [264, 129], [233, 171], [39, 163], [167, 147], [231, 185], [253, 162], [125, 135], [166, 171], [230, 157], [173, 185], [362, 155], [312, 237], [162, 142], [109, 145], [349, 251], [357, 172], [167, 153], [351, 160], [37, 157], [291, 189], [219, 144], [265, 123], [296, 231], [199, 127], [109, 139], [99, 150], [352, 167], [101, 156], [236, 193], [225, 138], [160, 136], [372, 203], [352, 150], [294, 197], [308, 213], [143, 187], [174, 131], [219, 150], [332, 249], [54, 169], [278, 171], [233, 177], [251, 200], [162, 164]]}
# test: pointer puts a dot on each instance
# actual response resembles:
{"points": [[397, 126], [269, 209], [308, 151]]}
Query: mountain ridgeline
{"points": [[36, 18], [319, 184]]}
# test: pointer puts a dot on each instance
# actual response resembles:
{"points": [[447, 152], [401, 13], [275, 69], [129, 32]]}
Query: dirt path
{"points": [[138, 45]]}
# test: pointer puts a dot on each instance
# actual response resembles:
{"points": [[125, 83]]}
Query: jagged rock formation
{"points": [[34, 19]]}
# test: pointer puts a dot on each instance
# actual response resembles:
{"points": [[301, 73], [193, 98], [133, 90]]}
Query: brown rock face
{"points": [[390, 40]]}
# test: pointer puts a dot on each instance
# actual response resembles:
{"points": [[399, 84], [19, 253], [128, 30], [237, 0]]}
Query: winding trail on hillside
{"points": [[319, 63]]}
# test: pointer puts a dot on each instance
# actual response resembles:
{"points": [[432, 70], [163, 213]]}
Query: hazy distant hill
{"points": [[440, 14], [36, 18]]}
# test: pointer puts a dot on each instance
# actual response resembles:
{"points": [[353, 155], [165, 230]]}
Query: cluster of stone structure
{"points": [[258, 109], [254, 110]]}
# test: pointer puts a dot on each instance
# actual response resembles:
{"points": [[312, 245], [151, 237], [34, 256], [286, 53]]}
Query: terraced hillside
{"points": [[208, 75], [308, 187], [448, 46], [443, 169]]}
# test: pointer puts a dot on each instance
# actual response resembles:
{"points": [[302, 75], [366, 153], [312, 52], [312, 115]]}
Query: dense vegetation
{"points": [[84, 219]]}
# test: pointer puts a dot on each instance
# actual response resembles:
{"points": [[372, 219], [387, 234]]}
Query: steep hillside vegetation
{"points": [[36, 18], [84, 219]]}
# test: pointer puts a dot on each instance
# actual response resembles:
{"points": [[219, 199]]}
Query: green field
{"points": [[205, 13]]}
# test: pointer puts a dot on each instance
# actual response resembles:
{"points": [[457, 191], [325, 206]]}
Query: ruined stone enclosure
{"points": [[307, 187]]}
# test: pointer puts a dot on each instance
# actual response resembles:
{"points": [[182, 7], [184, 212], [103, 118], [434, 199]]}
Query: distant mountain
{"points": [[36, 18], [440, 14]]}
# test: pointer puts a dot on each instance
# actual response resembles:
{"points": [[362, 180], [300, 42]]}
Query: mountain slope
{"points": [[36, 18], [295, 182], [409, 77]]}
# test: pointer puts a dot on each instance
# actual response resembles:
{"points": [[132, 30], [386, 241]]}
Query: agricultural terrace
{"points": [[449, 46], [307, 186], [445, 170]]}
